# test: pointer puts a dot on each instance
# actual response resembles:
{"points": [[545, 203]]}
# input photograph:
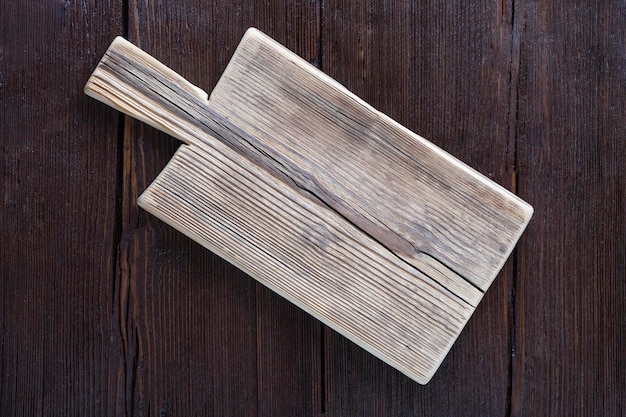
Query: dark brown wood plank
{"points": [[254, 353], [59, 341], [68, 346], [444, 72], [570, 336]]}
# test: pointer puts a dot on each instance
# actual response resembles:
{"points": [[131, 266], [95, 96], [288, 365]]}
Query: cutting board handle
{"points": [[132, 81], [369, 227]]}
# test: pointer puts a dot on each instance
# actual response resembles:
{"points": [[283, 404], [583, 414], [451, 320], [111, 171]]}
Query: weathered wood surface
{"points": [[315, 194], [91, 325]]}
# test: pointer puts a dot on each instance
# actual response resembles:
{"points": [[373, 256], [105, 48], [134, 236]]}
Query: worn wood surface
{"points": [[106, 311], [368, 227]]}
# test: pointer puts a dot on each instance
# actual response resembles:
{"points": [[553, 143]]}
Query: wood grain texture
{"points": [[529, 93], [434, 212], [572, 296], [58, 220], [447, 69], [237, 359], [360, 173], [318, 261]]}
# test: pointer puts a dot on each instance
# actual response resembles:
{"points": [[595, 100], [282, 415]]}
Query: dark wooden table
{"points": [[106, 311]]}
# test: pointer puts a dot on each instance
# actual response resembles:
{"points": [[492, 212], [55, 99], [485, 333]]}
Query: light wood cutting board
{"points": [[367, 226]]}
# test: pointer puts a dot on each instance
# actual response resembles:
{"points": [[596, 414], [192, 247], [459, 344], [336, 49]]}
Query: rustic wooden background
{"points": [[106, 311]]}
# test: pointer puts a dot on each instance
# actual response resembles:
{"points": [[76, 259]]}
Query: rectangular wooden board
{"points": [[370, 228]]}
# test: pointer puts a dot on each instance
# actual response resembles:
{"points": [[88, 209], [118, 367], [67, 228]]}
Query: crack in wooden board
{"points": [[366, 210], [431, 202], [309, 254]]}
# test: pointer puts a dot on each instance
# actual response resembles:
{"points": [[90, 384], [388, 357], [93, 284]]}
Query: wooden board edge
{"points": [[146, 202]]}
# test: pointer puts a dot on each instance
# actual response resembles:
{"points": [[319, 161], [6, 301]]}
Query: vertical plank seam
{"points": [[116, 290], [119, 182], [118, 236], [125, 18], [512, 146], [320, 40], [257, 351]]}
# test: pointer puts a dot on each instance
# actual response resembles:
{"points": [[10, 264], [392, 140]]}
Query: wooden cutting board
{"points": [[370, 228]]}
